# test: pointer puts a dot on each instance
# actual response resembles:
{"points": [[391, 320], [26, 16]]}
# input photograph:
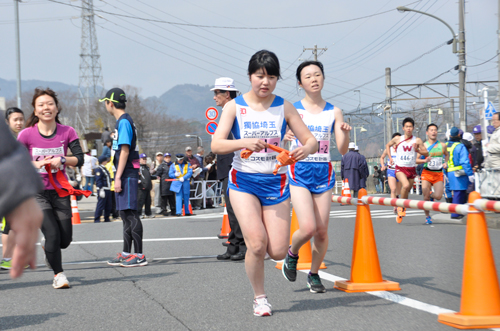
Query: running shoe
{"points": [[401, 213], [6, 265], [428, 220], [289, 268], [314, 284], [134, 261], [395, 210], [60, 281], [261, 307], [118, 259]]}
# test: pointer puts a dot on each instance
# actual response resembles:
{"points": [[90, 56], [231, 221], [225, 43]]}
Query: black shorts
{"points": [[49, 199]]}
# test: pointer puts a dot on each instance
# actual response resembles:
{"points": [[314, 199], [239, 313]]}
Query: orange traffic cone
{"points": [[225, 229], [75, 219], [480, 303], [305, 252], [365, 267], [190, 209], [346, 190]]}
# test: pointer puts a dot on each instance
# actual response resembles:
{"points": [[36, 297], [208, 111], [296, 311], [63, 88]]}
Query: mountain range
{"points": [[187, 101]]}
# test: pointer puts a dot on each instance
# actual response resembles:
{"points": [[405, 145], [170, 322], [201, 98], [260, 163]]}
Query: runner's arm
{"points": [[222, 145], [421, 148], [306, 138], [382, 159], [391, 143], [342, 130], [446, 155]]}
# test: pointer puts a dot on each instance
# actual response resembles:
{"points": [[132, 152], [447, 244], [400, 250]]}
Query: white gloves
{"points": [[177, 174], [102, 194], [209, 166], [471, 179], [79, 177], [181, 179]]}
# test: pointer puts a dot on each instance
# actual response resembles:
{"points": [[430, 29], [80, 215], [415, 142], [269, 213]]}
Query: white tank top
{"points": [[321, 126], [406, 154], [268, 125], [393, 156]]}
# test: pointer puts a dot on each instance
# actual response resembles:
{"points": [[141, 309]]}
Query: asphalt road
{"points": [[185, 288]]}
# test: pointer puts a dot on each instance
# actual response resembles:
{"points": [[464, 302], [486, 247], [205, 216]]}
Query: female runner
{"points": [[394, 184], [313, 178], [48, 141], [260, 199]]}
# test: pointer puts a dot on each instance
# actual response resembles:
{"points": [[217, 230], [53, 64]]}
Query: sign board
{"points": [[489, 111], [211, 127], [211, 113]]}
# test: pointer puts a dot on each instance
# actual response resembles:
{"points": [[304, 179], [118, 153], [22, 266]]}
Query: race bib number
{"points": [[323, 146], [436, 163], [270, 141]]}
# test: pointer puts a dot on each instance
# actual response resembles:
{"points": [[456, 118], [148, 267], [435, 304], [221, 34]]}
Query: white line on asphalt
{"points": [[390, 296], [154, 239]]}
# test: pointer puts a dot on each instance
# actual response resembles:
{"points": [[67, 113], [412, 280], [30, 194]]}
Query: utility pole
{"points": [[452, 112], [90, 65], [18, 53], [388, 106], [461, 66], [315, 51]]}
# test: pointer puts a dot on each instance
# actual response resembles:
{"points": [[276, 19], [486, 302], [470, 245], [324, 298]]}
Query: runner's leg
{"points": [[405, 184], [303, 205], [426, 189], [322, 203]]}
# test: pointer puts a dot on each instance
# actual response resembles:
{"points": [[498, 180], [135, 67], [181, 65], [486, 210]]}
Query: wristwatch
{"points": [[63, 160]]}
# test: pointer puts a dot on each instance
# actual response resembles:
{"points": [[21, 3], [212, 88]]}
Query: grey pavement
{"points": [[184, 287]]}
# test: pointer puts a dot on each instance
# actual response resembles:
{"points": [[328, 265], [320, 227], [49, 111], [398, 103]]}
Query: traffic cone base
{"points": [[350, 287], [190, 209], [301, 266], [480, 298], [75, 217], [464, 322]]}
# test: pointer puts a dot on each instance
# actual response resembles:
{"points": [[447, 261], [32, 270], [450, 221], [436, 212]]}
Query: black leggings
{"points": [[132, 230], [56, 226]]}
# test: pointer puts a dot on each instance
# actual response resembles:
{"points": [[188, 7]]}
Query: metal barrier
{"points": [[205, 185], [488, 182]]}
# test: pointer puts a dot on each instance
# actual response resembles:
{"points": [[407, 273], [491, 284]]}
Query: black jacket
{"points": [[145, 178], [224, 162], [162, 174]]}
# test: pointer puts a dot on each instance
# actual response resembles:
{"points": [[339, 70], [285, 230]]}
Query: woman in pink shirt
{"points": [[47, 141]]}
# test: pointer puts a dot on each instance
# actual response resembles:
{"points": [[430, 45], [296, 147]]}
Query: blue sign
{"points": [[489, 111], [211, 127]]}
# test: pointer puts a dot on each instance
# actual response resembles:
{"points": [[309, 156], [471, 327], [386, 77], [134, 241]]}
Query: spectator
{"points": [[459, 169], [145, 187], [478, 157], [90, 163], [167, 196], [106, 149], [106, 135], [364, 169], [157, 199], [211, 174], [493, 147], [353, 167], [376, 179], [103, 184], [114, 212], [182, 171], [196, 167]]}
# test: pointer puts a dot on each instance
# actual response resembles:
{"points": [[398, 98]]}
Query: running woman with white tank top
{"points": [[312, 179], [260, 199], [394, 184], [407, 147]]}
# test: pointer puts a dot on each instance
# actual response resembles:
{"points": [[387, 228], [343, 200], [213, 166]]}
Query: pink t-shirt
{"points": [[40, 147]]}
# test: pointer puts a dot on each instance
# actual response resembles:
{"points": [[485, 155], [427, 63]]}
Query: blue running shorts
{"points": [[127, 198], [317, 177], [268, 188]]}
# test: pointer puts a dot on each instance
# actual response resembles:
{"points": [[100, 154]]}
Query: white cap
{"points": [[356, 148], [468, 136], [225, 84], [352, 145]]}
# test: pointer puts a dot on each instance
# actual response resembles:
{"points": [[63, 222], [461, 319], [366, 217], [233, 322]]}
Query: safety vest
{"points": [[451, 164], [184, 171]]}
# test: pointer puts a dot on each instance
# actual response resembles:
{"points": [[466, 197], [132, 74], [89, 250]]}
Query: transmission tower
{"points": [[90, 82]]}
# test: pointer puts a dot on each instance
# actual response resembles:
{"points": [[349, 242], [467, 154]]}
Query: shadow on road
{"points": [[18, 321]]}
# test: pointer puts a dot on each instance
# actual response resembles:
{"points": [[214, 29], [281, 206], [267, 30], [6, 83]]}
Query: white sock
{"points": [[125, 254]]}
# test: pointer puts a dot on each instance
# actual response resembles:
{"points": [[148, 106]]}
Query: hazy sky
{"points": [[158, 56]]}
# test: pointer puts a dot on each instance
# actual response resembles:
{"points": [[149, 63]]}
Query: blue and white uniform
{"points": [[255, 174], [315, 172], [391, 169]]}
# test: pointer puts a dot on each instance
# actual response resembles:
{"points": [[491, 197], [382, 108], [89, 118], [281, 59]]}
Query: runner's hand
{"points": [[25, 221], [255, 144], [299, 153], [383, 168], [118, 185], [289, 136], [345, 127]]}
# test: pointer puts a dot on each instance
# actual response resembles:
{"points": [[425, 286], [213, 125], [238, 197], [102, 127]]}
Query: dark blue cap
{"points": [[454, 132], [490, 129], [142, 156], [179, 156], [167, 154], [477, 129], [102, 159]]}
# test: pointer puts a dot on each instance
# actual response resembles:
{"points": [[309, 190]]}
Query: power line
{"points": [[234, 27], [480, 64]]}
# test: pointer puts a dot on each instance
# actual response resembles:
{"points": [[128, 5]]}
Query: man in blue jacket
{"points": [[460, 172], [182, 172]]}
